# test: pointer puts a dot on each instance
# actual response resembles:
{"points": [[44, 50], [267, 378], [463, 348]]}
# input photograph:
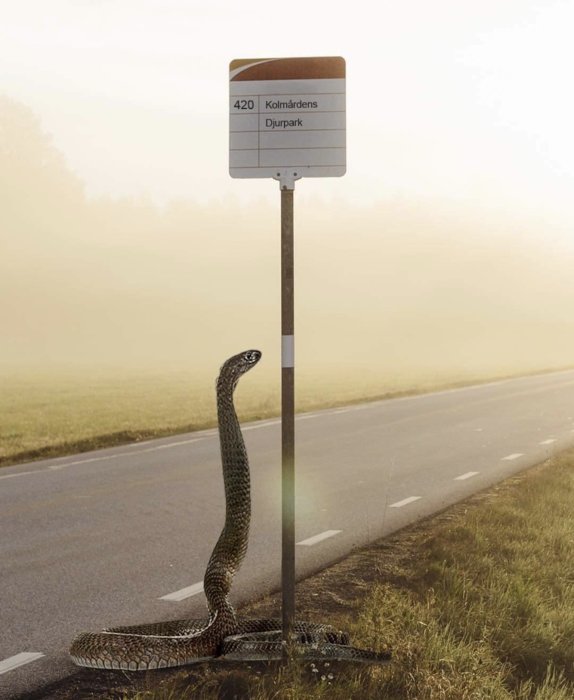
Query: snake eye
{"points": [[252, 356]]}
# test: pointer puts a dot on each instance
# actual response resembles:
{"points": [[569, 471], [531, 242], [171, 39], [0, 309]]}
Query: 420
{"points": [[244, 104]]}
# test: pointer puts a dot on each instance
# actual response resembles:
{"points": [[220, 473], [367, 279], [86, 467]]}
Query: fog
{"points": [[403, 286]]}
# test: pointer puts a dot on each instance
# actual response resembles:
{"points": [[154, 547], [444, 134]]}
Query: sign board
{"points": [[287, 117]]}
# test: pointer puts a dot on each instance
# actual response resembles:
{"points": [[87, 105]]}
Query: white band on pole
{"points": [[287, 351]]}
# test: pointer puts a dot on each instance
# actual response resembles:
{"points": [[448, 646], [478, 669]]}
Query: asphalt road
{"points": [[123, 535]]}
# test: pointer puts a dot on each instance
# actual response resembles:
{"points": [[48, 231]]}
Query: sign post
{"points": [[287, 417], [287, 121]]}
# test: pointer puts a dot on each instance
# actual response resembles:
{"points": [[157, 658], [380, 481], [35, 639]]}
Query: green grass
{"points": [[476, 603], [52, 414]]}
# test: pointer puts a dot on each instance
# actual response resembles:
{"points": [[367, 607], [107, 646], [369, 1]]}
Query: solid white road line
{"points": [[547, 442], [467, 475], [261, 425], [123, 454], [11, 476], [85, 461], [104, 458], [514, 455], [166, 447], [19, 660], [405, 502], [131, 453], [184, 593], [319, 538]]}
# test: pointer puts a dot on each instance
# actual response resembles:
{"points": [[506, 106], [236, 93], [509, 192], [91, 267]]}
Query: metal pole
{"points": [[287, 417]]}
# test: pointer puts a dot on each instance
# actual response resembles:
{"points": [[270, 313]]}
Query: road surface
{"points": [[123, 535]]}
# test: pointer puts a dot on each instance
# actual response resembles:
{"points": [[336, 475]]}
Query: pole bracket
{"points": [[287, 178]]}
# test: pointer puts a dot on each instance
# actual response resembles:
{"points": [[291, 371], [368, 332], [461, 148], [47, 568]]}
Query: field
{"points": [[476, 603], [46, 414]]}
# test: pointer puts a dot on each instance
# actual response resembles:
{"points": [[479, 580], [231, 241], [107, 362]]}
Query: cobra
{"points": [[223, 634]]}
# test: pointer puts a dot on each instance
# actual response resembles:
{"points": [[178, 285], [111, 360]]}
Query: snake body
{"points": [[180, 642]]}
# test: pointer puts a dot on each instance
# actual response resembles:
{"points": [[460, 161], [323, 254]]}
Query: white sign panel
{"points": [[287, 115]]}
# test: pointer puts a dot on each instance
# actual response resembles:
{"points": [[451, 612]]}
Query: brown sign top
{"points": [[317, 68]]}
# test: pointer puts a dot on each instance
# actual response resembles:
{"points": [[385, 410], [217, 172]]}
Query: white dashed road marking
{"points": [[19, 660], [515, 455], [405, 502], [547, 442], [468, 475], [184, 593], [319, 538]]}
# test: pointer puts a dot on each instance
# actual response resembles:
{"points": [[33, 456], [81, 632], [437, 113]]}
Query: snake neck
{"points": [[231, 546]]}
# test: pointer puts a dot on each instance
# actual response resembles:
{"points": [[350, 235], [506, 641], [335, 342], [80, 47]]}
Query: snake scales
{"points": [[179, 642]]}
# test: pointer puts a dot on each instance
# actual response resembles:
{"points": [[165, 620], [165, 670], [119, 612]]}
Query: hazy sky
{"points": [[466, 100], [448, 244]]}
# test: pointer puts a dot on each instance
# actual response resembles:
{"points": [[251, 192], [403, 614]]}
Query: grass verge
{"points": [[475, 603]]}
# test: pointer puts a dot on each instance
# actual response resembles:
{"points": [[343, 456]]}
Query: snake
{"points": [[223, 635]]}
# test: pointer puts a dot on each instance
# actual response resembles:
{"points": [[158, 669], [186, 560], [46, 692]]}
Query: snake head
{"points": [[233, 368]]}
